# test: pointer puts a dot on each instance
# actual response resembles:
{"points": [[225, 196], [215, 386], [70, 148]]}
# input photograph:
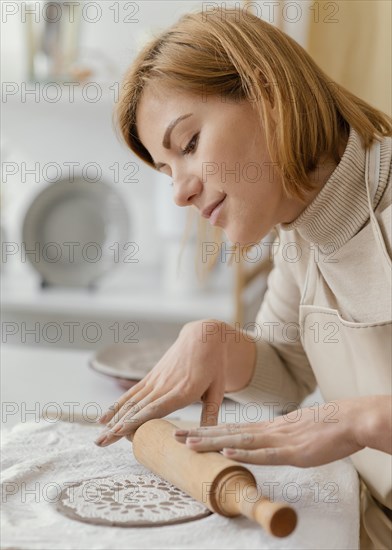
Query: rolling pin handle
{"points": [[237, 493], [277, 518]]}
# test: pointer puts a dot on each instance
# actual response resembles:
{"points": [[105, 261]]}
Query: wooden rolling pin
{"points": [[222, 485]]}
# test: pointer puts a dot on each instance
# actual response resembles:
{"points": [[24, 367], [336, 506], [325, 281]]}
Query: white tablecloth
{"points": [[39, 457]]}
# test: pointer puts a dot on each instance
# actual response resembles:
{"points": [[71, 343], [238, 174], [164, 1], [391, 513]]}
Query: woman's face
{"points": [[216, 152]]}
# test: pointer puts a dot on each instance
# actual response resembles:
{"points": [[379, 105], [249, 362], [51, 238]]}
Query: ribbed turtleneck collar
{"points": [[341, 209]]}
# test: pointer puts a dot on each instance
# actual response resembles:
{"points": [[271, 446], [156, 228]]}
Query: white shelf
{"points": [[146, 303]]}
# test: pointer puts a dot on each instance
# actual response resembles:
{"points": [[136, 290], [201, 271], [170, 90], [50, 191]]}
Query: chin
{"points": [[244, 238], [239, 237]]}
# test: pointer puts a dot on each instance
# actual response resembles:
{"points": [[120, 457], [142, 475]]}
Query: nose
{"points": [[186, 190]]}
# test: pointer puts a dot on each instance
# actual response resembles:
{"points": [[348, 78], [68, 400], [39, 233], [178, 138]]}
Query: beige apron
{"points": [[355, 360]]}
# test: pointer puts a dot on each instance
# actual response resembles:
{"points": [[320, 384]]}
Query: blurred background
{"points": [[91, 236]]}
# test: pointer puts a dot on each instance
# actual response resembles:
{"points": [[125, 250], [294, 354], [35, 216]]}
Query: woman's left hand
{"points": [[305, 437]]}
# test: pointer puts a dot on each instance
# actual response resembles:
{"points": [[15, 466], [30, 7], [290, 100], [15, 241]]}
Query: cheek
{"points": [[235, 162], [213, 165], [252, 205]]}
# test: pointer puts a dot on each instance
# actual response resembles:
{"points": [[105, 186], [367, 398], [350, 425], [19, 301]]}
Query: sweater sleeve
{"points": [[282, 371]]}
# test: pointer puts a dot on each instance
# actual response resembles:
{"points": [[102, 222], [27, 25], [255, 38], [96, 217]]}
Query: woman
{"points": [[224, 95]]}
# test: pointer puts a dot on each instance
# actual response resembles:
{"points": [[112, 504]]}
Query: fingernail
{"points": [[106, 441], [229, 452], [101, 439], [181, 433], [193, 439]]}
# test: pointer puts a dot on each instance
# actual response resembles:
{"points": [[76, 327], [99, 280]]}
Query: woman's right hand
{"points": [[193, 369]]}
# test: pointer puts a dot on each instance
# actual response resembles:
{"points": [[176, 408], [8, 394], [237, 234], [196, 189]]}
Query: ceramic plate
{"points": [[75, 227], [129, 363]]}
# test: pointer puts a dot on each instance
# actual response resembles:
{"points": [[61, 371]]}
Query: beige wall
{"points": [[351, 41]]}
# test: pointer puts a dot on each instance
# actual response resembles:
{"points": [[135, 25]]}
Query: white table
{"points": [[38, 381]]}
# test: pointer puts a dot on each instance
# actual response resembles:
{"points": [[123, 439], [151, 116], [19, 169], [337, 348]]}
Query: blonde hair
{"points": [[234, 54]]}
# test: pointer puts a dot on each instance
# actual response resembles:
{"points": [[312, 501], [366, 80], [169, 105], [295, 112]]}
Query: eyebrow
{"points": [[166, 137]]}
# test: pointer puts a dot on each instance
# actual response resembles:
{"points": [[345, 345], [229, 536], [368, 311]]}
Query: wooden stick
{"points": [[222, 485]]}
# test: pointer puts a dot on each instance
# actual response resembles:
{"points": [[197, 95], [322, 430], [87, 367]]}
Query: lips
{"points": [[206, 213]]}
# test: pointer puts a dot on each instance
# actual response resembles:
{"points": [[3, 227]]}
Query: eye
{"points": [[190, 148]]}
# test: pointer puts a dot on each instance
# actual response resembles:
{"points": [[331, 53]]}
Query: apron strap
{"points": [[372, 171]]}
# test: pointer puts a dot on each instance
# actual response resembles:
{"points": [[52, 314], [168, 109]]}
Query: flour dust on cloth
{"points": [[40, 460]]}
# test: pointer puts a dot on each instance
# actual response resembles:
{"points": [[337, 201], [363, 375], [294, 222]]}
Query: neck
{"points": [[318, 179], [341, 209]]}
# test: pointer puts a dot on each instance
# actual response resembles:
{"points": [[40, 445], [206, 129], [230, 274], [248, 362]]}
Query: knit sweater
{"points": [[356, 288]]}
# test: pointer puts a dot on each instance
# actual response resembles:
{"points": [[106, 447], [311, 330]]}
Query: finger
{"points": [[106, 438], [270, 455], [222, 429], [245, 440], [134, 408], [113, 409], [130, 405], [203, 431], [158, 408], [211, 402]]}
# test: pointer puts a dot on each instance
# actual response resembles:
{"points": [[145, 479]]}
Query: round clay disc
{"points": [[127, 500]]}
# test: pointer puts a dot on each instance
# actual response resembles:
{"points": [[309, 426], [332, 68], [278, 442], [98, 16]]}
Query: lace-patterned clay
{"points": [[127, 500]]}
